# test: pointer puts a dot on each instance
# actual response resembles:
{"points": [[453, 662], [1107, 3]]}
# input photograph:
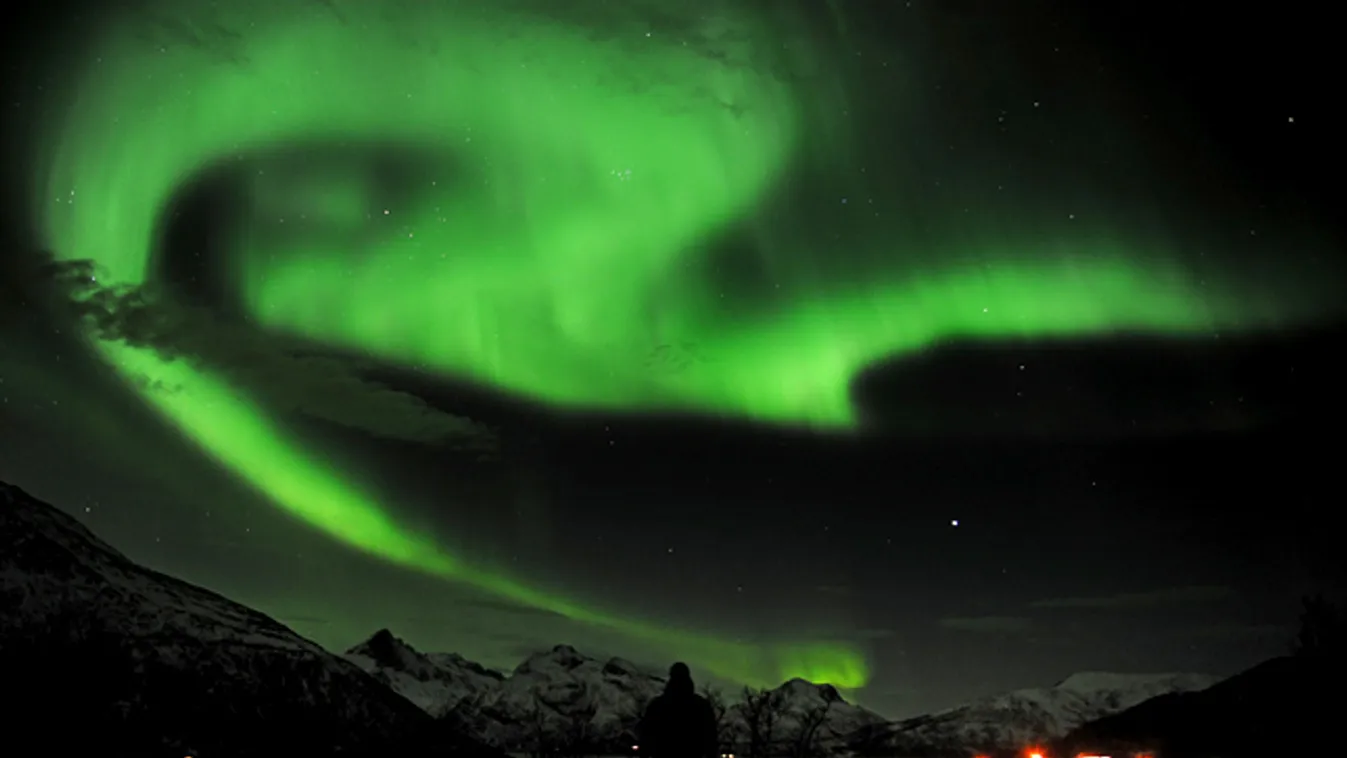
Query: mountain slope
{"points": [[562, 695], [803, 705], [435, 682], [145, 663], [1285, 706], [1016, 719], [562, 691], [556, 696]]}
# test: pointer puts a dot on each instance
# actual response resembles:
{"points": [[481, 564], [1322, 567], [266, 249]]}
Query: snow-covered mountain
{"points": [[435, 682], [132, 654], [127, 653], [551, 694], [1278, 707], [1016, 719], [565, 695], [562, 694], [801, 701]]}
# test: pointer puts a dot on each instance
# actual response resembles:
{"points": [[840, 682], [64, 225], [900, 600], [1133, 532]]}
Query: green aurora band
{"points": [[588, 173]]}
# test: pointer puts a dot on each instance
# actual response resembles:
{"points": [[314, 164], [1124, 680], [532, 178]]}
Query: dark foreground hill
{"points": [[1285, 706], [102, 656]]}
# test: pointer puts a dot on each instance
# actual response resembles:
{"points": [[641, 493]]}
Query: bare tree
{"points": [[762, 711], [719, 709], [638, 725], [629, 725], [804, 741], [1323, 629], [540, 738], [463, 715], [578, 738]]}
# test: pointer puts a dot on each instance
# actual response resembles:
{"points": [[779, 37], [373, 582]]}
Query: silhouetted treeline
{"points": [[1322, 634]]}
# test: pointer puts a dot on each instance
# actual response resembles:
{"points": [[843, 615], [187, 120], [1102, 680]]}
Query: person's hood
{"points": [[679, 684]]}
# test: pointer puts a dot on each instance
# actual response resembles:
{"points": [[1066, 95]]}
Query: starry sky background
{"points": [[1120, 505]]}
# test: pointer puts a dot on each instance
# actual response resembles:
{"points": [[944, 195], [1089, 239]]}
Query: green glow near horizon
{"points": [[240, 437], [554, 260]]}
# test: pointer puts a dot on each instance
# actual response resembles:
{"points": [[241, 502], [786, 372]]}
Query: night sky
{"points": [[940, 348]]}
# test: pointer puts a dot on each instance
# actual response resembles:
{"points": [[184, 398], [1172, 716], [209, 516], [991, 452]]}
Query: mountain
{"points": [[562, 695], [801, 706], [435, 682], [1284, 706], [140, 663], [1017, 719], [551, 694], [566, 696]]}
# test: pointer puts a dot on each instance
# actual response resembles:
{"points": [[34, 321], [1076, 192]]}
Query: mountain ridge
{"points": [[554, 683], [1276, 707], [1013, 720], [186, 668], [179, 668]]}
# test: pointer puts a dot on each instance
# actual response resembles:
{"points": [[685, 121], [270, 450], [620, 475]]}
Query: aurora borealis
{"points": [[691, 167], [576, 173]]}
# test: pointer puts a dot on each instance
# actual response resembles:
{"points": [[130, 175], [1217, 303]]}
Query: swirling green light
{"points": [[148, 117], [581, 175]]}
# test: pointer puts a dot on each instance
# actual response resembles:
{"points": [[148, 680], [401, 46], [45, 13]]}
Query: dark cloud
{"points": [[505, 606], [873, 634], [310, 620], [1244, 631], [1130, 601], [518, 648], [284, 376], [989, 624]]}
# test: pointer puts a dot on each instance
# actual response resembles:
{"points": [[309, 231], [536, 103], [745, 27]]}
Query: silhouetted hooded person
{"points": [[679, 723]]}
